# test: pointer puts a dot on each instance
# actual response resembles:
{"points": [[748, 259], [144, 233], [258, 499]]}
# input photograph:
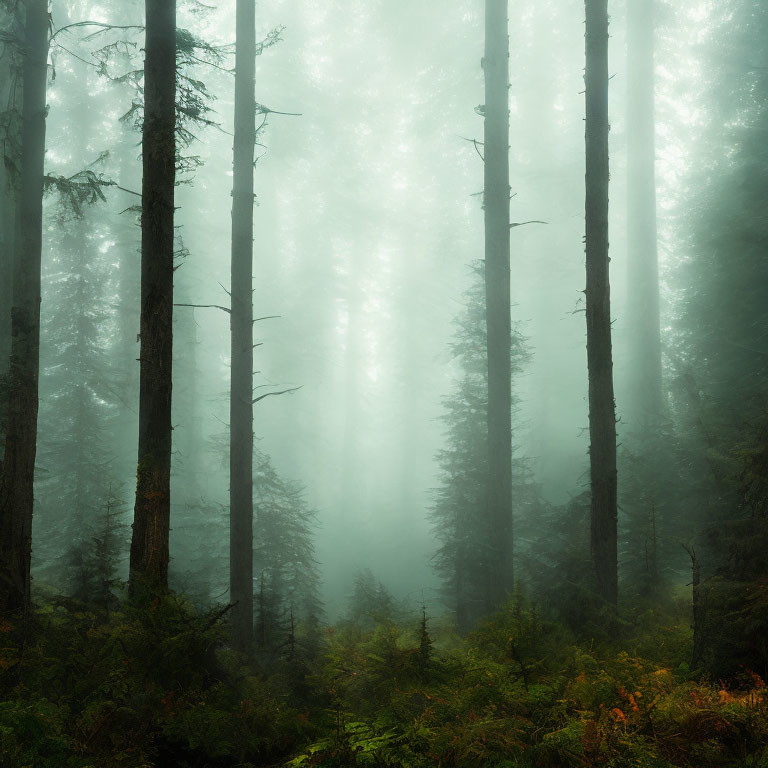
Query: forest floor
{"points": [[154, 685]]}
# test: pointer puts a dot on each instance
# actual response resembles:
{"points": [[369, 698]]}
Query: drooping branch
{"points": [[477, 144], [82, 188], [103, 28]]}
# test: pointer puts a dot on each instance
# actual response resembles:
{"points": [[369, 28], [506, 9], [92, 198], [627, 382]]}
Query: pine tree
{"points": [[720, 348], [284, 557], [77, 406], [95, 557], [458, 514], [371, 604]]}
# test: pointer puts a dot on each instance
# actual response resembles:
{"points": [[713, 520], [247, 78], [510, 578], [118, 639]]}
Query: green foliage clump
{"points": [[151, 686], [154, 685], [522, 692]]}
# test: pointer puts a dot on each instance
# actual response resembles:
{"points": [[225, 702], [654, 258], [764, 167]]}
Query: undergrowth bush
{"points": [[153, 684]]}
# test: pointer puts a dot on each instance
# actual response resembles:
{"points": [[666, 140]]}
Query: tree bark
{"points": [[643, 323], [241, 396], [7, 230], [602, 408], [18, 470], [10, 94], [151, 524], [498, 312]]}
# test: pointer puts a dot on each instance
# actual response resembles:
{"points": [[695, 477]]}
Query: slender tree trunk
{"points": [[602, 408], [643, 292], [498, 312], [18, 470], [7, 229], [151, 523], [241, 396], [698, 610]]}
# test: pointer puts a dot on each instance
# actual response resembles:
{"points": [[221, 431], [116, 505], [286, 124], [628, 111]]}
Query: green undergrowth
{"points": [[148, 686], [154, 685]]}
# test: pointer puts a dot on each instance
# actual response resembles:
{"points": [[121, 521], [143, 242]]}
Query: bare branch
{"points": [[283, 392], [523, 223], [477, 144], [206, 306], [102, 28], [261, 109]]}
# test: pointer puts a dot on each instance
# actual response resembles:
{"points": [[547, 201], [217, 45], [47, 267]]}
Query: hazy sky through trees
{"points": [[368, 221]]}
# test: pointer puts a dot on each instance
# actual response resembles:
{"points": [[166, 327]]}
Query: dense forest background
{"points": [[436, 550]]}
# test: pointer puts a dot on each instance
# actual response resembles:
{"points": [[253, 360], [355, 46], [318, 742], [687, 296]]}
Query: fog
{"points": [[369, 218]]}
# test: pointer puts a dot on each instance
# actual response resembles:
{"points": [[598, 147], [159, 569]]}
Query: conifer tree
{"points": [[458, 514]]}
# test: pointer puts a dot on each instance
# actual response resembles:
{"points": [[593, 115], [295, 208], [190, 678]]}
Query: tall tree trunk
{"points": [[18, 470], [241, 396], [151, 523], [643, 292], [602, 408], [498, 312], [10, 94], [7, 230]]}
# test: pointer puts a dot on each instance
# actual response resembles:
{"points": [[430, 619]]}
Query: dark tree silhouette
{"points": [[151, 525], [18, 469], [241, 396], [602, 408]]}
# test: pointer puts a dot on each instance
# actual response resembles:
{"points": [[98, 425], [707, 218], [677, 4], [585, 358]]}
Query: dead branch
{"points": [[206, 306], [282, 392], [523, 223]]}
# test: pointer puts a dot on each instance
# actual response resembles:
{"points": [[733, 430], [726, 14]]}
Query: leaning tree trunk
{"points": [[602, 408], [241, 395], [18, 470], [645, 402], [498, 312], [151, 523]]}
